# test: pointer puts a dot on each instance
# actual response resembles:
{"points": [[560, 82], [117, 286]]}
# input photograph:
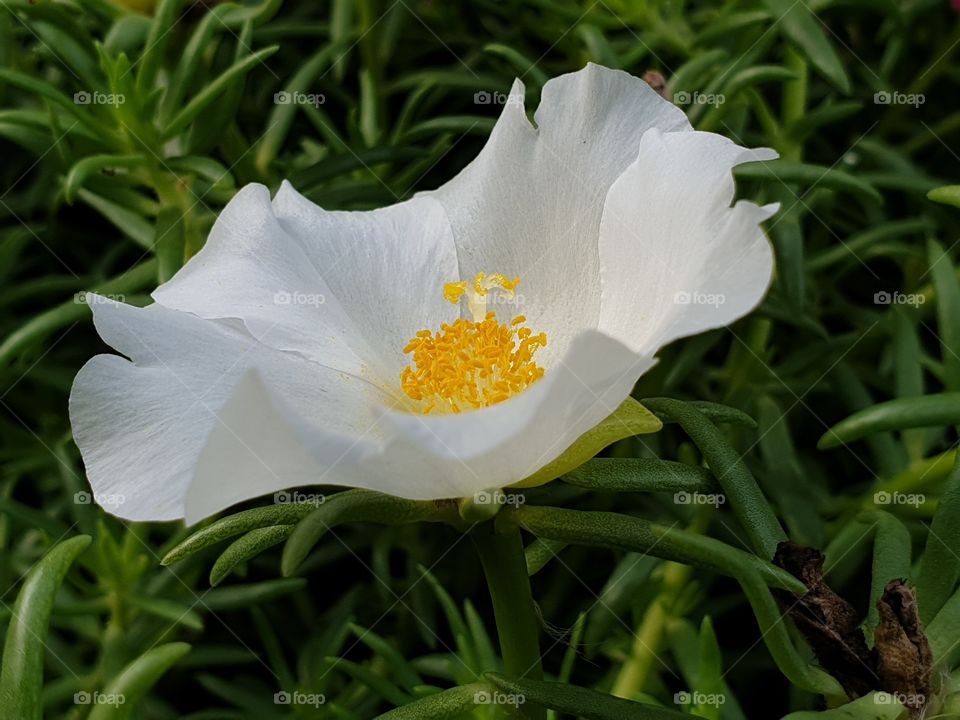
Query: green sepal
{"points": [[630, 419]]}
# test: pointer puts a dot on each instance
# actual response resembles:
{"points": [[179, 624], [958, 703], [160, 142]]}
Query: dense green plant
{"points": [[827, 417]]}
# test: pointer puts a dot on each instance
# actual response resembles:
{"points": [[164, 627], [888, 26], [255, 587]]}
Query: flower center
{"points": [[472, 364]]}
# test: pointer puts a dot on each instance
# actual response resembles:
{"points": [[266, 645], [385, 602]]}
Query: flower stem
{"points": [[501, 554]]}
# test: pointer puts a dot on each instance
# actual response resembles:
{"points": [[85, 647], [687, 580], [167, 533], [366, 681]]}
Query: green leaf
{"points": [[354, 506], [755, 75], [852, 248], [948, 312], [397, 663], [211, 92], [723, 26], [689, 76], [73, 311], [630, 419], [787, 235], [91, 165], [576, 701], [875, 706], [805, 30], [789, 171], [238, 597], [909, 372], [742, 492], [466, 652], [247, 546], [948, 195], [164, 19], [891, 560], [169, 238], [336, 165], [136, 680], [49, 92], [21, 677], [456, 124], [374, 682], [939, 568], [205, 168], [709, 671], [541, 551], [825, 115], [127, 221], [794, 492], [623, 532], [282, 116], [944, 632], [641, 475], [715, 413], [453, 704], [889, 454], [899, 414], [237, 524], [170, 610], [524, 66], [33, 518], [237, 14]]}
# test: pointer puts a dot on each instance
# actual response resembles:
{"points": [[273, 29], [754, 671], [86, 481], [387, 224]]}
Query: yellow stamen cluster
{"points": [[471, 364]]}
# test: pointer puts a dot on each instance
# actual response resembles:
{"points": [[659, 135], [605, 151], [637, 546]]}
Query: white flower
{"points": [[274, 357]]}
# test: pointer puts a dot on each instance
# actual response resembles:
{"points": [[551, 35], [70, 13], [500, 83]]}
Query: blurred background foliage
{"points": [[360, 104]]}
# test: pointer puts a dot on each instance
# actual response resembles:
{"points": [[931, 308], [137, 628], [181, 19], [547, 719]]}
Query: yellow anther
{"points": [[471, 364], [500, 280], [452, 292]]}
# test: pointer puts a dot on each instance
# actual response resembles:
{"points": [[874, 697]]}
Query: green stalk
{"points": [[647, 642], [501, 554], [794, 101]]}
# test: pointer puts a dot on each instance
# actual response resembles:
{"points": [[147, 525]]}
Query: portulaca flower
{"points": [[452, 343]]}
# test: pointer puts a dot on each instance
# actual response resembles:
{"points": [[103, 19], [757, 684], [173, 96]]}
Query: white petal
{"points": [[141, 425], [346, 289], [413, 456], [675, 257], [530, 203], [389, 269]]}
